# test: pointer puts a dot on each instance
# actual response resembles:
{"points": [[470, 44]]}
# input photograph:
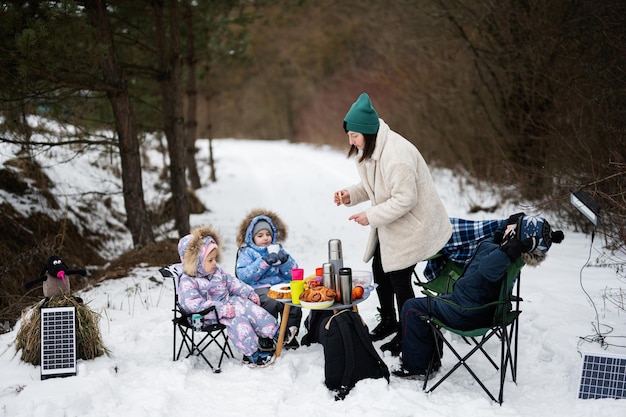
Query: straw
{"points": [[89, 343]]}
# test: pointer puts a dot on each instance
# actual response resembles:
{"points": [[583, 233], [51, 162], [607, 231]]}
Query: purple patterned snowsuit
{"points": [[219, 289]]}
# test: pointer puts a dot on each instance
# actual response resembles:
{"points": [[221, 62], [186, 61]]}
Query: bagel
{"points": [[279, 292]]}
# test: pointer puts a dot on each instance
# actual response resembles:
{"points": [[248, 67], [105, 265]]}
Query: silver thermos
{"points": [[328, 276], [345, 285], [335, 257]]}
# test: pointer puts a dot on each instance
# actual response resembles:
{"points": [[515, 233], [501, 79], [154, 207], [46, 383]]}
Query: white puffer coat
{"points": [[407, 216]]}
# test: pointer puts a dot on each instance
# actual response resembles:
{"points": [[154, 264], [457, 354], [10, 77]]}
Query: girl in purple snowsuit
{"points": [[204, 284]]}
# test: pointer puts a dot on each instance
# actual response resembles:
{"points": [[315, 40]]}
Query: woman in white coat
{"points": [[407, 218]]}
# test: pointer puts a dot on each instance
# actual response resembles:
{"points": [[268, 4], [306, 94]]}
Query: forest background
{"points": [[527, 96]]}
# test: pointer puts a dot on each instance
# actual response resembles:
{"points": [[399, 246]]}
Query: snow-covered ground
{"points": [[563, 306]]}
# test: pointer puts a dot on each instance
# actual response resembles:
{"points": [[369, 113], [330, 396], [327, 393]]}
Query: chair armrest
{"points": [[431, 295], [208, 310], [418, 280], [444, 282], [204, 312]]}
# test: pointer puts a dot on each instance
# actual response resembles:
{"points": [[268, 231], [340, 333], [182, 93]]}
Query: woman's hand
{"points": [[360, 218], [341, 197]]}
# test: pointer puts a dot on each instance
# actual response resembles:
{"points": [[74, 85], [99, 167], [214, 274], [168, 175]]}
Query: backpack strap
{"points": [[360, 326], [344, 330]]}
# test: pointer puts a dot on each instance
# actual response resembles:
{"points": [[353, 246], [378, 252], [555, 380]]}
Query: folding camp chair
{"points": [[196, 341], [444, 282], [504, 326]]}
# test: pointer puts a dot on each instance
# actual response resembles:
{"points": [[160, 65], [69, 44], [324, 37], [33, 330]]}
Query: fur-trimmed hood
{"points": [[279, 228], [190, 247]]}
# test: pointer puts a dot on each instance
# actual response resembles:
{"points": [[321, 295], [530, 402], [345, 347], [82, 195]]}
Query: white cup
{"points": [[273, 248]]}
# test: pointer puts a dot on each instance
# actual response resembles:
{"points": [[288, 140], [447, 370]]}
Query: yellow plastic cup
{"points": [[297, 288]]}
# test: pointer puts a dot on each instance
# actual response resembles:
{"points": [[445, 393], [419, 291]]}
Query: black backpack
{"points": [[315, 321], [349, 353]]}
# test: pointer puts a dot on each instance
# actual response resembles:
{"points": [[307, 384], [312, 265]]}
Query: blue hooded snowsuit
{"points": [[252, 269]]}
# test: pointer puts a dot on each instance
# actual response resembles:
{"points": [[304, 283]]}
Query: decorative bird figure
{"points": [[54, 277]]}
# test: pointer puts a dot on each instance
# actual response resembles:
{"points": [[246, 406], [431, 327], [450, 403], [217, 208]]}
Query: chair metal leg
{"points": [[489, 358], [462, 361], [514, 359], [196, 346], [174, 344], [188, 338], [185, 341], [436, 336], [223, 347]]}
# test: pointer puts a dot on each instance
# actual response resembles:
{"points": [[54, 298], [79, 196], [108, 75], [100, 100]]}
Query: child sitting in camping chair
{"points": [[204, 283], [527, 237], [258, 267]]}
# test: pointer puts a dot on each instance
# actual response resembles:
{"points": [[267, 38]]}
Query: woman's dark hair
{"points": [[368, 149]]}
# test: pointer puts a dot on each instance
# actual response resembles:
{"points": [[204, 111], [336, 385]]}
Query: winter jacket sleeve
{"points": [[284, 270], [234, 285], [481, 280], [493, 266], [193, 295], [401, 179], [251, 268], [254, 271], [358, 194]]}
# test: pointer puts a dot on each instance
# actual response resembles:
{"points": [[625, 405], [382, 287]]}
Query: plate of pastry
{"points": [[317, 298], [279, 291], [317, 306]]}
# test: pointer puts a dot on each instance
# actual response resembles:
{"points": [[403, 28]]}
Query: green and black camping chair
{"points": [[504, 326]]}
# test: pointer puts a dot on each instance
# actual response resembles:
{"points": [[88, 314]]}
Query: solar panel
{"points": [[602, 376], [58, 342]]}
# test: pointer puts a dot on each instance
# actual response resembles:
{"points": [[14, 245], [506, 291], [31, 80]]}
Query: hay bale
{"points": [[89, 343]]}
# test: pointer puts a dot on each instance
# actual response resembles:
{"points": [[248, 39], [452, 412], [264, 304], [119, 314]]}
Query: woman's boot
{"points": [[388, 325], [394, 346]]}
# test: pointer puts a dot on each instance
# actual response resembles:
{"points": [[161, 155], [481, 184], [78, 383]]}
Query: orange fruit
{"points": [[357, 292]]}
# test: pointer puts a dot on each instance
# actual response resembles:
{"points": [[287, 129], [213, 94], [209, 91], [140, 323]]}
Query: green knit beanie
{"points": [[362, 116]]}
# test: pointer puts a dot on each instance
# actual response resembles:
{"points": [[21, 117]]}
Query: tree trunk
{"points": [[191, 123], [170, 81], [125, 125], [209, 125]]}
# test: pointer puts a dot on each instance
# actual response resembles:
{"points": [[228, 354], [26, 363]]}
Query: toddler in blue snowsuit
{"points": [[261, 268]]}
